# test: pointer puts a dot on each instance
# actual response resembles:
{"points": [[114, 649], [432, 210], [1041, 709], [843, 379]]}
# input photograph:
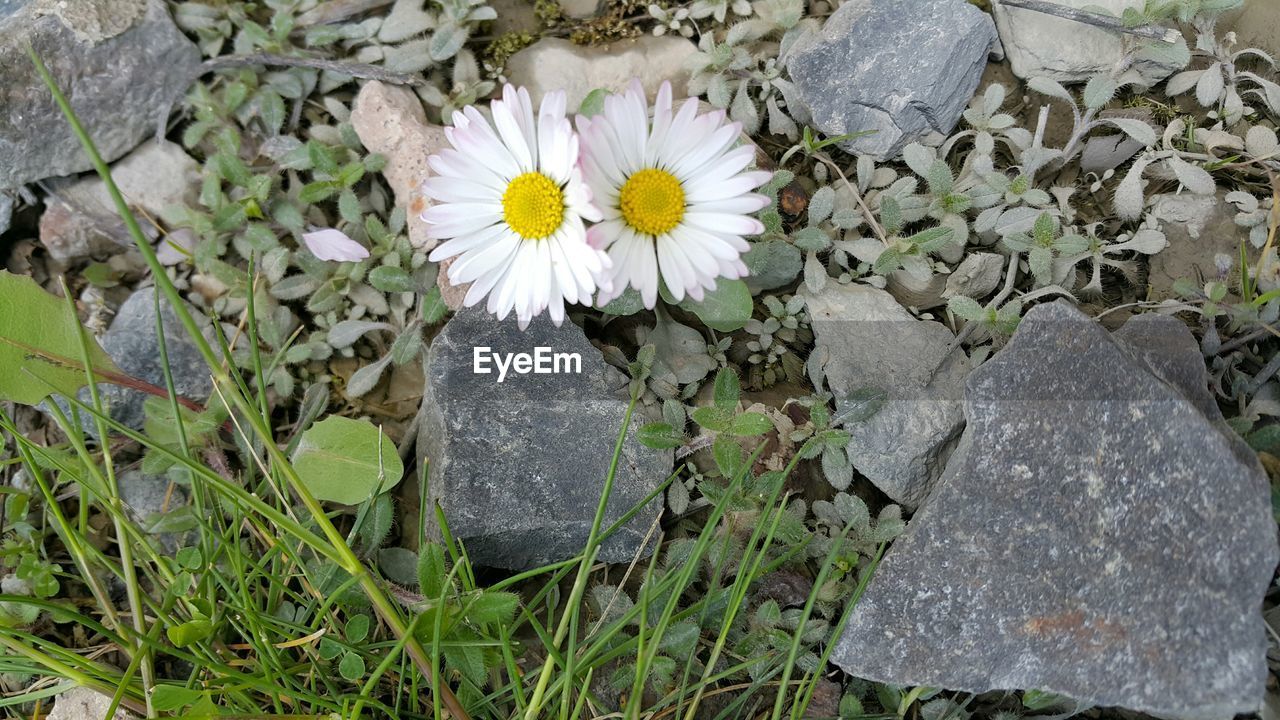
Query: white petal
{"points": [[722, 223], [465, 243], [675, 272], [741, 205], [331, 244], [514, 136], [485, 260]]}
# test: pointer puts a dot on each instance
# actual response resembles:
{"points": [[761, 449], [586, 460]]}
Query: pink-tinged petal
{"points": [[331, 244]]}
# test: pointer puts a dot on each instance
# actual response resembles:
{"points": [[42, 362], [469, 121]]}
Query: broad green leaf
{"points": [[772, 263], [433, 307], [966, 307], [751, 424], [390, 278], [628, 303], [357, 629], [1265, 440], [39, 338], [660, 436], [352, 667], [492, 607], [339, 461], [190, 632], [167, 697], [727, 390], [728, 455], [727, 308], [468, 660], [712, 418]]}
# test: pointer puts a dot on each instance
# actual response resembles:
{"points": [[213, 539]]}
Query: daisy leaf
{"points": [[727, 308]]}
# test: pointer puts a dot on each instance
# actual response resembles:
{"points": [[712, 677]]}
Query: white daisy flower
{"points": [[512, 205], [673, 193]]}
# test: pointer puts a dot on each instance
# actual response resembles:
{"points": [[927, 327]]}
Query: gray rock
{"points": [[1167, 346], [80, 220], [976, 277], [913, 292], [1107, 152], [1095, 535], [132, 344], [146, 495], [1257, 25], [1041, 45], [579, 9], [902, 68], [122, 65], [147, 498], [868, 340], [158, 177], [518, 466]]}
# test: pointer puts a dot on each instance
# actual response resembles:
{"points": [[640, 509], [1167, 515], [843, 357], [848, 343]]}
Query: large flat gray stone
{"points": [[900, 68], [518, 466], [122, 63], [1097, 534]]}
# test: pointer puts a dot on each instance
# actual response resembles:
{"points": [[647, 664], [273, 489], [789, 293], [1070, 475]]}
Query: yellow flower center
{"points": [[652, 201], [533, 206]]}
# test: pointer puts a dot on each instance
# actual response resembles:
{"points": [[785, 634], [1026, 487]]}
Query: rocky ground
{"points": [[1050, 440]]}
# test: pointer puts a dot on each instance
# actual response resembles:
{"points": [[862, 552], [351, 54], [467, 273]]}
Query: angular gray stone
{"points": [[147, 496], [132, 344], [80, 219], [122, 63], [1257, 25], [901, 68], [518, 466], [868, 340], [1095, 535], [976, 277]]}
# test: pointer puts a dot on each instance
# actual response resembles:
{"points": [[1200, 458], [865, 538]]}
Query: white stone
{"points": [[82, 703], [976, 277], [556, 64], [1041, 45], [157, 177], [80, 220], [579, 9], [390, 121]]}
